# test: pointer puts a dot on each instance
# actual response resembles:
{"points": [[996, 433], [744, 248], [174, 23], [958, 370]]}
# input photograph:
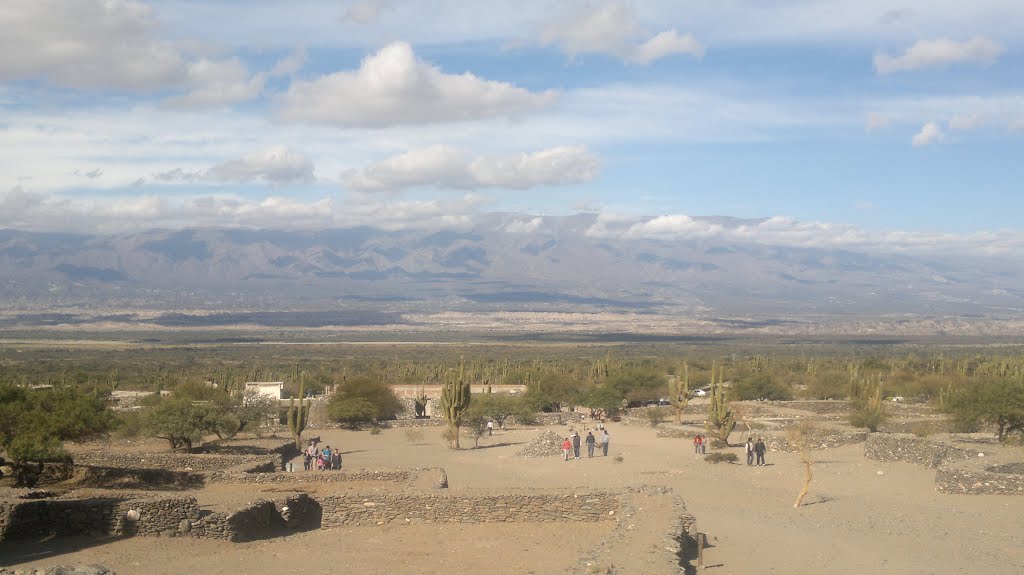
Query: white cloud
{"points": [[965, 122], [394, 87], [612, 28], [930, 133], [524, 226], [365, 11], [876, 121], [216, 84], [87, 44], [791, 232], [937, 53], [290, 64], [665, 44], [446, 167], [277, 166]]}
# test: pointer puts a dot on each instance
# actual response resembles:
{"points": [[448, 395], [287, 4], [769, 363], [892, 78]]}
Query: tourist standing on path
{"points": [[336, 461], [591, 440], [703, 444], [576, 444], [310, 458], [490, 428], [327, 458], [696, 444], [604, 443], [750, 451], [566, 448], [759, 449]]}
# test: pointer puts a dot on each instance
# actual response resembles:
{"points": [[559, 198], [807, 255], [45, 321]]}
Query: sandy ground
{"points": [[860, 516]]}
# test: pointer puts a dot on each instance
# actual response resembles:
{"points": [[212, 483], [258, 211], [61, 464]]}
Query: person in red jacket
{"points": [[567, 448]]}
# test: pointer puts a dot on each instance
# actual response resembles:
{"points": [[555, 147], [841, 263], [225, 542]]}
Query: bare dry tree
{"points": [[800, 437]]}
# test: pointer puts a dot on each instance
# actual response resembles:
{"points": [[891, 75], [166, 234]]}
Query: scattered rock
{"points": [[547, 443]]}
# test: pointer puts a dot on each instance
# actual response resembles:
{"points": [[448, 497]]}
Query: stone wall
{"points": [[395, 475], [908, 448], [176, 461], [97, 516], [979, 476], [356, 510]]}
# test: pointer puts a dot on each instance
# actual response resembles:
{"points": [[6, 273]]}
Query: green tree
{"points": [[361, 400], [760, 386], [499, 407], [998, 402], [35, 423]]}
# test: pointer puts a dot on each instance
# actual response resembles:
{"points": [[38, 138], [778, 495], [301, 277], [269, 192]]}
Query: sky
{"points": [[894, 125]]}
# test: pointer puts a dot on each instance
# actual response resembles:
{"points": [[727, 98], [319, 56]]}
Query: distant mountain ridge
{"points": [[498, 263]]}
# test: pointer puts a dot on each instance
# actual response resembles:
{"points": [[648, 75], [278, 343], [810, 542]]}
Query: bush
{"points": [[376, 430], [999, 403], [362, 400], [720, 456], [414, 435], [761, 386], [865, 416], [655, 415]]}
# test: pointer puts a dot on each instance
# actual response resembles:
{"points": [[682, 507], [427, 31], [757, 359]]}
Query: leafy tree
{"points": [[35, 423], [761, 386], [606, 398], [998, 402], [499, 407], [180, 421], [638, 385], [553, 390], [361, 400], [256, 411]]}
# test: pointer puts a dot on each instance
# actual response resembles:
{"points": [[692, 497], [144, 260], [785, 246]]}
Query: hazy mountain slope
{"points": [[499, 264]]}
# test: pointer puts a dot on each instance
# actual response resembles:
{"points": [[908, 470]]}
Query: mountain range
{"points": [[554, 264]]}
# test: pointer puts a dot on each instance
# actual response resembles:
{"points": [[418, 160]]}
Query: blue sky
{"points": [[895, 125]]}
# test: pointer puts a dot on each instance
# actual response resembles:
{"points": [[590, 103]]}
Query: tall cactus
{"points": [[420, 402], [455, 398], [721, 420], [679, 391], [298, 415]]}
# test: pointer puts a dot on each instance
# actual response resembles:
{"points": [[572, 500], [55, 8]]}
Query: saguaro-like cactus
{"points": [[679, 391], [298, 414], [455, 398], [720, 418], [420, 402]]}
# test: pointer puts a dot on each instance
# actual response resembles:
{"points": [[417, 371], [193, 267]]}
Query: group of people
{"points": [[758, 449], [316, 459], [755, 449], [571, 445]]}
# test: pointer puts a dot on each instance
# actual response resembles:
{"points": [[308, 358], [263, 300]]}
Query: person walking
{"points": [[490, 428], [576, 444], [591, 440], [566, 448], [750, 451], [327, 458], [311, 455], [604, 443], [703, 444], [759, 450]]}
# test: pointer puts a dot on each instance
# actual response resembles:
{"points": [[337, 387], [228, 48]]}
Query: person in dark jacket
{"points": [[576, 444], [591, 442], [759, 450]]}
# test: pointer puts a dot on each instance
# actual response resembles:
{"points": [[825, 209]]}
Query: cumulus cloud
{"points": [[218, 83], [290, 64], [87, 44], [524, 226], [965, 122], [394, 87], [937, 53], [612, 28], [876, 121], [447, 167], [791, 232], [365, 11], [930, 133], [277, 165]]}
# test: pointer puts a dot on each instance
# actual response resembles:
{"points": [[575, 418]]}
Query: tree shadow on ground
{"points": [[49, 547], [502, 444]]}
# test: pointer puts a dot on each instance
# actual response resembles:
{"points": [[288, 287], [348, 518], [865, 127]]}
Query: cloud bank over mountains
{"points": [[841, 124]]}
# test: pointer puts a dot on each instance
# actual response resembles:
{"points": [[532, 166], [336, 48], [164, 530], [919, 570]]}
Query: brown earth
{"points": [[860, 516]]}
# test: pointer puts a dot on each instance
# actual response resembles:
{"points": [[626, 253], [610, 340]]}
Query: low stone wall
{"points": [[978, 476], [927, 452], [97, 516], [356, 510], [396, 475], [176, 461], [128, 478]]}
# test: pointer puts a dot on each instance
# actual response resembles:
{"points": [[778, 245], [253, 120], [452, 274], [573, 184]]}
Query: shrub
{"points": [[362, 400], [414, 435], [720, 456], [761, 386], [375, 430], [617, 459], [655, 415]]}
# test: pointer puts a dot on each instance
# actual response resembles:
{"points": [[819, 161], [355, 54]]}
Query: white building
{"points": [[274, 389]]}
